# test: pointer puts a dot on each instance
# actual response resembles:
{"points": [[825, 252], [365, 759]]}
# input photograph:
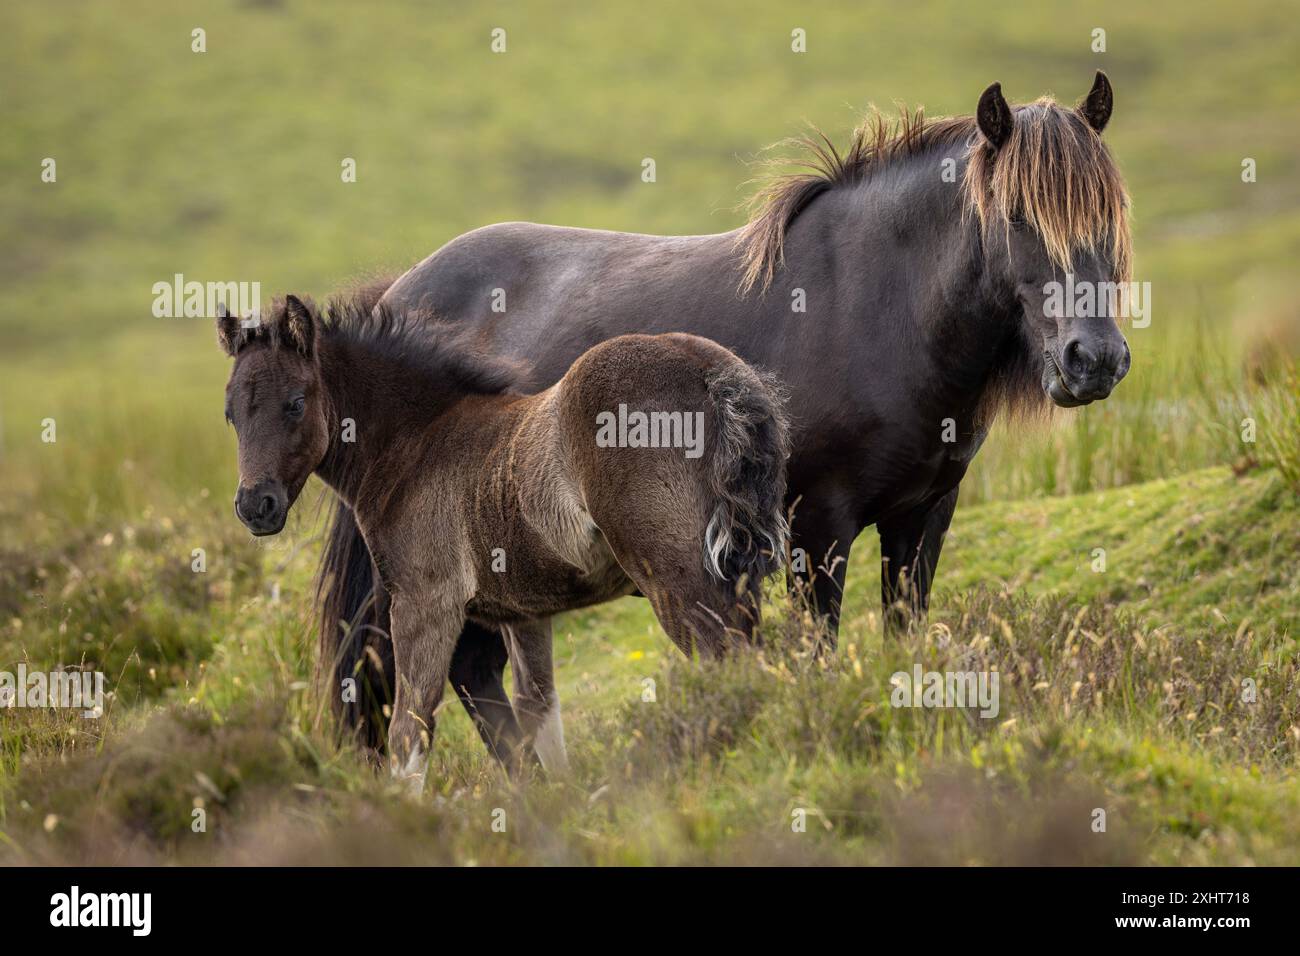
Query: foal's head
{"points": [[276, 403], [1052, 204]]}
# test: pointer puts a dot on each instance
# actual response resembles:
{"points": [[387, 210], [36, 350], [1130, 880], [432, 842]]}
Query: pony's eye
{"points": [[294, 407]]}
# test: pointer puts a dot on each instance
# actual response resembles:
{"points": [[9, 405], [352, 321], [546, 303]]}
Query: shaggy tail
{"points": [[354, 633], [747, 534], [354, 623]]}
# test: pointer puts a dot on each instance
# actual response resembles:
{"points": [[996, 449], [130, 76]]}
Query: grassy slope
{"points": [[1112, 698], [1188, 551]]}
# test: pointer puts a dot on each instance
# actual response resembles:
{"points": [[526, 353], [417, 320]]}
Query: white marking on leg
{"points": [[412, 773], [549, 742]]}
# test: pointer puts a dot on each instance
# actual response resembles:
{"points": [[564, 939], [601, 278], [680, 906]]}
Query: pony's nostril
{"points": [[1126, 360], [260, 509], [1077, 359]]}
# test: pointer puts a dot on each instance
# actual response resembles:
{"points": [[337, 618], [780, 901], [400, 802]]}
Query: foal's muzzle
{"points": [[263, 507]]}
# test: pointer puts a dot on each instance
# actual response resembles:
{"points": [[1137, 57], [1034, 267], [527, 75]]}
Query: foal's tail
{"points": [[354, 633], [747, 533], [354, 624]]}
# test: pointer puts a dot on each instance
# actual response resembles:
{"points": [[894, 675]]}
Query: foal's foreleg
{"points": [[537, 705], [425, 628]]}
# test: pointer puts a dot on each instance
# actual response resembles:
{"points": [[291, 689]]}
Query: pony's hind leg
{"points": [[537, 705]]}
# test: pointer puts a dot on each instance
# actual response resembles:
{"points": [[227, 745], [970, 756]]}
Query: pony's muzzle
{"points": [[1089, 369], [263, 507]]}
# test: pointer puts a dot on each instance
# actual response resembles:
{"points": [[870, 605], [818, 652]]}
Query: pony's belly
{"points": [[539, 589]]}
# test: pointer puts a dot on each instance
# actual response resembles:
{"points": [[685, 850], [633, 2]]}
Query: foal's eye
{"points": [[294, 407]]}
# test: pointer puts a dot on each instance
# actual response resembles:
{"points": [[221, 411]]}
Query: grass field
{"points": [[1121, 691], [1122, 688]]}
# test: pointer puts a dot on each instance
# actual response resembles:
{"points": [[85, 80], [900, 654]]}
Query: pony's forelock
{"points": [[1055, 173]]}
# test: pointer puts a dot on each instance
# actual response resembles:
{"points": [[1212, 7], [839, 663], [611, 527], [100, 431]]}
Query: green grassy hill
{"points": [[1117, 692]]}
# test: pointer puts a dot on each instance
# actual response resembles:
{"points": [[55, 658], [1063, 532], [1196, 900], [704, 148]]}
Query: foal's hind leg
{"points": [[537, 706], [699, 613], [698, 616]]}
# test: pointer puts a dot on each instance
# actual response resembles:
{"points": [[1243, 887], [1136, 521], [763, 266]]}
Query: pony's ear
{"points": [[1100, 101], [228, 331], [299, 325], [994, 116]]}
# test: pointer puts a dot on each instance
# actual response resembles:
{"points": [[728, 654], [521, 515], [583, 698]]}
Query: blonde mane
{"points": [[1054, 172]]}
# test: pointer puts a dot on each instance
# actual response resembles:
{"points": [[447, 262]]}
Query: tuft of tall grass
{"points": [[1280, 445], [1179, 409]]}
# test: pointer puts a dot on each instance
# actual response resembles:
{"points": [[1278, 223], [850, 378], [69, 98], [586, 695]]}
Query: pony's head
{"points": [[275, 401], [1054, 214]]}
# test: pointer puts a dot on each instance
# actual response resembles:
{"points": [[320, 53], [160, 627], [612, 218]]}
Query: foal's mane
{"points": [[1054, 171], [418, 339], [414, 338]]}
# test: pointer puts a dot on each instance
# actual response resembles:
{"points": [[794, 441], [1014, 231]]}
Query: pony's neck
{"points": [[374, 402], [943, 298]]}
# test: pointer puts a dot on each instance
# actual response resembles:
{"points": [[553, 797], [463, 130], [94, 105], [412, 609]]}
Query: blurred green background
{"points": [[225, 165]]}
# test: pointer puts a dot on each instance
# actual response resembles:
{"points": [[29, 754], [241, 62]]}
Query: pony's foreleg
{"points": [[425, 628], [537, 705], [476, 674], [909, 553], [820, 544]]}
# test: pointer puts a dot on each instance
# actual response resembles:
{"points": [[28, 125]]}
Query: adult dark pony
{"points": [[921, 257], [656, 464]]}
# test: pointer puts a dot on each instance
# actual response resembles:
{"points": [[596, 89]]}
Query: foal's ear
{"points": [[228, 330], [994, 116], [1100, 101], [299, 325]]}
